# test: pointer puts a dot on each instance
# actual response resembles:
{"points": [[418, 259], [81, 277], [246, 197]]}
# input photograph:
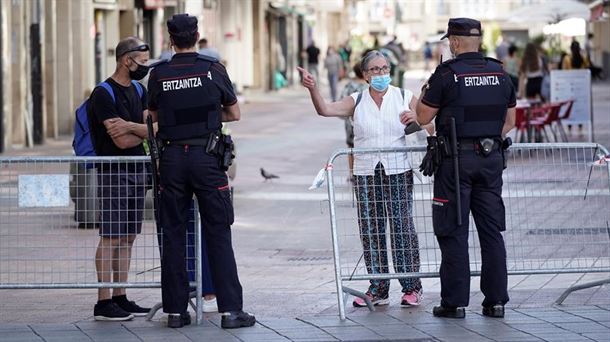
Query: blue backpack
{"points": [[83, 143]]}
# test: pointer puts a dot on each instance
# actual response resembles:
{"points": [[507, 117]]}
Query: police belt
{"points": [[191, 142], [473, 144]]}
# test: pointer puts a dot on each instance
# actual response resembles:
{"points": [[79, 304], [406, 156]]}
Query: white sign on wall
{"points": [[44, 191]]}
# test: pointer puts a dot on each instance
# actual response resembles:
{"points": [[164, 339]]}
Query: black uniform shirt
{"points": [[442, 88], [218, 75], [127, 106]]}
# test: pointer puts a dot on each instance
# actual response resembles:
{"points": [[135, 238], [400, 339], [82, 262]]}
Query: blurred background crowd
{"points": [[55, 51]]}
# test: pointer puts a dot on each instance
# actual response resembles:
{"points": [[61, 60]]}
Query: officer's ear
{"points": [[171, 43]]}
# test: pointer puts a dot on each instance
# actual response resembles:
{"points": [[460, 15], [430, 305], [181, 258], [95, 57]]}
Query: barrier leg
{"points": [[580, 287], [335, 238], [153, 311], [198, 275], [362, 295]]}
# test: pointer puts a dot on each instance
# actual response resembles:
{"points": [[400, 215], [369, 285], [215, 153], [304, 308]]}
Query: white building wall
{"points": [[236, 46]]}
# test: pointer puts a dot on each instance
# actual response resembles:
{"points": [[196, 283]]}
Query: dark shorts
{"points": [[533, 86], [121, 202]]}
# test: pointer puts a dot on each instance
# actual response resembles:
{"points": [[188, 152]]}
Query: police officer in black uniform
{"points": [[190, 96], [473, 97]]}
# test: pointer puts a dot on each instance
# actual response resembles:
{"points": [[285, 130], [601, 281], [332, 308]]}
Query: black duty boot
{"points": [[496, 310], [237, 319], [441, 311], [178, 320]]}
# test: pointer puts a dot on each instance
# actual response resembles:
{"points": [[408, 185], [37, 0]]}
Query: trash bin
{"points": [[83, 191]]}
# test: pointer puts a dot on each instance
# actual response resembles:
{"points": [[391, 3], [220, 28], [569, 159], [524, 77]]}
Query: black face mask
{"points": [[140, 72]]}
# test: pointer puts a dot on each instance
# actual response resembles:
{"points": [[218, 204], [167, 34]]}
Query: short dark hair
{"points": [[203, 41], [127, 45], [184, 41], [512, 49], [182, 29]]}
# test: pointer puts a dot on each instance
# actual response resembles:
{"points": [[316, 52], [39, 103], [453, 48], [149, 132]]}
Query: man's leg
{"points": [[105, 309], [489, 216], [211, 187], [452, 238], [104, 264], [174, 205], [121, 261]]}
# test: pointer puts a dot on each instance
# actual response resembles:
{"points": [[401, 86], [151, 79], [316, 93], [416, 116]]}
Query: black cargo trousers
{"points": [[481, 194], [186, 170]]}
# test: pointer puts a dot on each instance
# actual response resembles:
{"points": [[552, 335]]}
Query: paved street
{"points": [[284, 254]]}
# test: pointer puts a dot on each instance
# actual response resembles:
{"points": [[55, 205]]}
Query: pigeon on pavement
{"points": [[267, 175]]}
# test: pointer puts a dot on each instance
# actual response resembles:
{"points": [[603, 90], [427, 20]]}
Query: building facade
{"points": [[54, 52]]}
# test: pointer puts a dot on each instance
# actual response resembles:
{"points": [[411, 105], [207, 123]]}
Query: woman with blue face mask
{"points": [[383, 181]]}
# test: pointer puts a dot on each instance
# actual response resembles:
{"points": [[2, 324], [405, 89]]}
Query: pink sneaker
{"points": [[412, 298], [360, 303]]}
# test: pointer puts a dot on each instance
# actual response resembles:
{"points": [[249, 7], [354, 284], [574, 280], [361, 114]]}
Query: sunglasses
{"points": [[139, 48]]}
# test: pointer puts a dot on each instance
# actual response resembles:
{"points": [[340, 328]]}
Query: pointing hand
{"points": [[308, 81]]}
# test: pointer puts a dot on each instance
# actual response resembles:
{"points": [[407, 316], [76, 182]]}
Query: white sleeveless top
{"points": [[380, 127]]}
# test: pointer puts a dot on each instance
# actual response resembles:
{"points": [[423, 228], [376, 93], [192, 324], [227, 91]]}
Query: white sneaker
{"points": [[210, 305]]}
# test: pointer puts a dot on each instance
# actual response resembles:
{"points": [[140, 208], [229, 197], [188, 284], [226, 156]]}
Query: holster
{"points": [[228, 153], [221, 146], [506, 143]]}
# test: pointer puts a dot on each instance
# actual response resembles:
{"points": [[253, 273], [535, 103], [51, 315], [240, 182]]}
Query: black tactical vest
{"points": [[482, 99], [189, 101]]}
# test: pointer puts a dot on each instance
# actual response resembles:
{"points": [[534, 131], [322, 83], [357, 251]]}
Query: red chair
{"points": [[521, 124], [544, 117], [564, 114]]}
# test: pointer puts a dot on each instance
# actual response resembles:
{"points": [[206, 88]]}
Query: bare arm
{"points": [[231, 113], [425, 113], [125, 140], [341, 108], [117, 127], [509, 122], [153, 114]]}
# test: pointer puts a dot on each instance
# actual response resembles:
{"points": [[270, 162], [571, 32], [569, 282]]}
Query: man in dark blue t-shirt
{"points": [[118, 129]]}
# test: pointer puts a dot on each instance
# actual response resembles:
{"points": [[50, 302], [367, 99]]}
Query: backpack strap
{"points": [[108, 88], [358, 99], [138, 87]]}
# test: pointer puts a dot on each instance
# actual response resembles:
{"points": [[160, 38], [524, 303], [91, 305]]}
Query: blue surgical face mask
{"points": [[380, 82]]}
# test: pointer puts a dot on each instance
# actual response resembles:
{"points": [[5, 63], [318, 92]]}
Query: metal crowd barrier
{"points": [[49, 218], [556, 197]]}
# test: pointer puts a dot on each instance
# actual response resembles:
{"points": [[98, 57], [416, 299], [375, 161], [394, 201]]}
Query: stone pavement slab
{"points": [[556, 323]]}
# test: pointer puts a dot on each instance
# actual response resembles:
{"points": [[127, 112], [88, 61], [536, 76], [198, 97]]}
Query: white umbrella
{"points": [[551, 11]]}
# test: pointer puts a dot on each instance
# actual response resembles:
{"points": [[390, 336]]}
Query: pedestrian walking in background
{"points": [[575, 59], [502, 49], [206, 50], [190, 96], [511, 66], [313, 55], [383, 182], [345, 51], [334, 66], [531, 72], [427, 56], [118, 111], [482, 115]]}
